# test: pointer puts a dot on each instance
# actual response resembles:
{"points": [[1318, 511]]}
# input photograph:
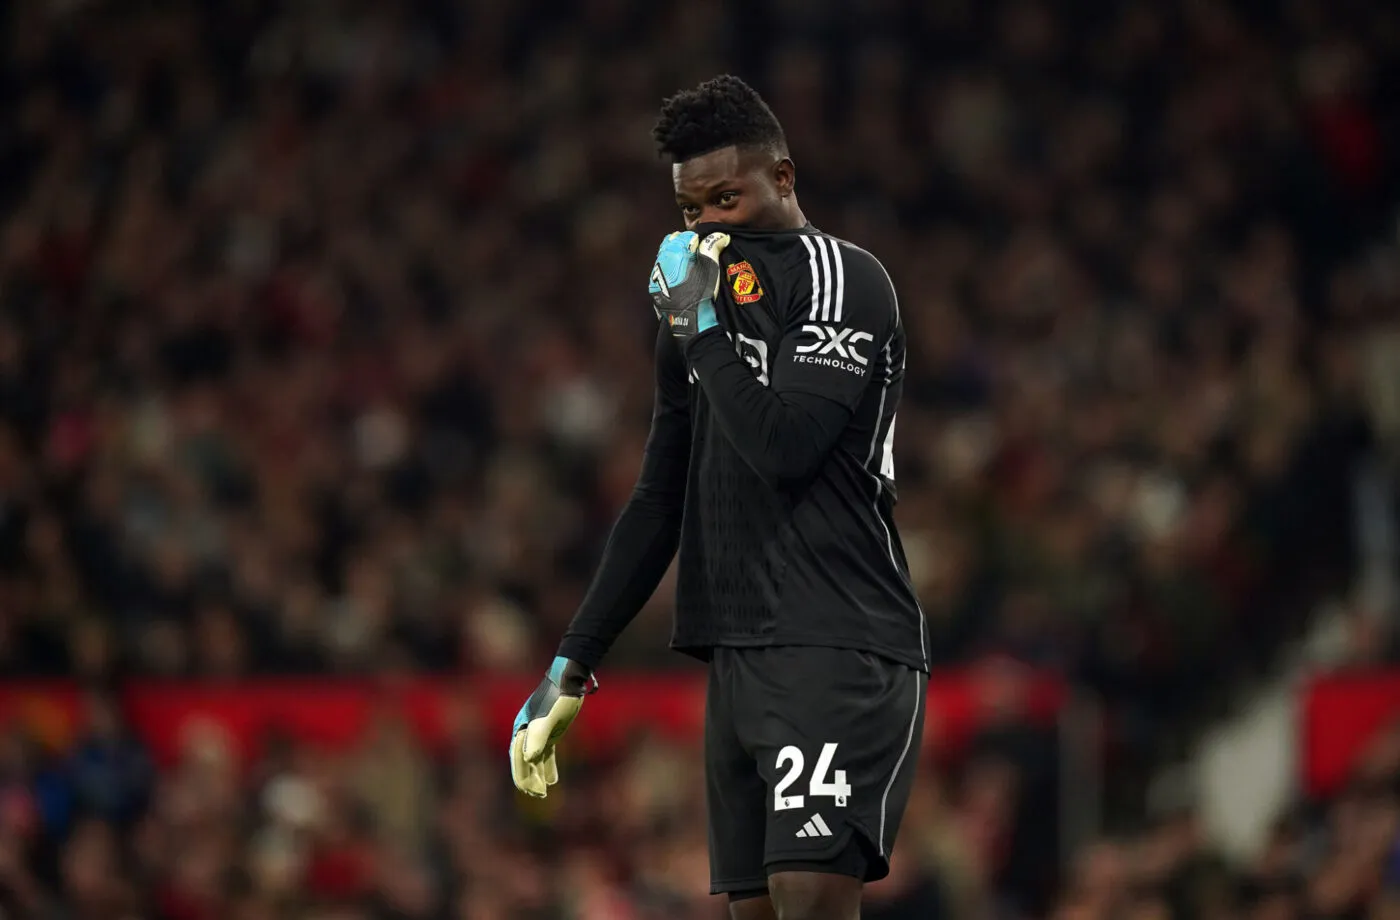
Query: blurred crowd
{"points": [[296, 372], [1331, 860], [390, 830], [323, 349]]}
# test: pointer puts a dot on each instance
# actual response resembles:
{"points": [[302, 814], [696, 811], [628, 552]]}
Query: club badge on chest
{"points": [[743, 283]]}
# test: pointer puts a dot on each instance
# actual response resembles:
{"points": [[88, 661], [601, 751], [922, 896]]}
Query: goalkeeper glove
{"points": [[685, 280], [545, 716]]}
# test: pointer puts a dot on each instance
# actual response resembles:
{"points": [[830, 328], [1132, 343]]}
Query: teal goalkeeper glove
{"points": [[545, 717], [685, 280]]}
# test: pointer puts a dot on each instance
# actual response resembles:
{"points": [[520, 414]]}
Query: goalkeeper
{"points": [[779, 368]]}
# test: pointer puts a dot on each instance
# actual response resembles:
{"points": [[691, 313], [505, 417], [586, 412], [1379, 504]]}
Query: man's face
{"points": [[741, 188]]}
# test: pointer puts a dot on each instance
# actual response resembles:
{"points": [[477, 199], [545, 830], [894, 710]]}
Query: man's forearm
{"points": [[784, 437], [640, 549]]}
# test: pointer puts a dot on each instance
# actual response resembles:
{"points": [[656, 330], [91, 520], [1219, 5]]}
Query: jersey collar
{"points": [[750, 233]]}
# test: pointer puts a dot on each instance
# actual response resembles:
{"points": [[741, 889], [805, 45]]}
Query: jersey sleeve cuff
{"points": [[586, 650]]}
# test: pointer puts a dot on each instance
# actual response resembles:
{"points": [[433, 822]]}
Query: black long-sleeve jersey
{"points": [[770, 464]]}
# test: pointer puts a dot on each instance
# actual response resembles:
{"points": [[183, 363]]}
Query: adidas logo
{"points": [[816, 827]]}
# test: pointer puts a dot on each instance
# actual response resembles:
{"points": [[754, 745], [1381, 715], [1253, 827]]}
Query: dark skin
{"points": [[754, 187], [739, 186]]}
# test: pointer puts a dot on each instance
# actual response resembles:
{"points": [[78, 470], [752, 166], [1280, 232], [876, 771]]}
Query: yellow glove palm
{"points": [[542, 721]]}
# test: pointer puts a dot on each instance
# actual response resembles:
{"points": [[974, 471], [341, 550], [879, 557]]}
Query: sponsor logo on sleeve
{"points": [[833, 347]]}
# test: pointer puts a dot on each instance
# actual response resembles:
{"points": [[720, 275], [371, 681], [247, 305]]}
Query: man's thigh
{"points": [[812, 767]]}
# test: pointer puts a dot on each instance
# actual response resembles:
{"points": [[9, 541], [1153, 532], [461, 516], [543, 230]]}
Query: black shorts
{"points": [[809, 752]]}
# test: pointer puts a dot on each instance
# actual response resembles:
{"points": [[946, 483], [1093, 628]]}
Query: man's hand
{"points": [[545, 716], [685, 280]]}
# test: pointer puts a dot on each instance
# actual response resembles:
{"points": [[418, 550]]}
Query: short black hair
{"points": [[721, 112]]}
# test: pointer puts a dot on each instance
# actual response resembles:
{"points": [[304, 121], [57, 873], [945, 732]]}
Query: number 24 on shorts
{"points": [[791, 755]]}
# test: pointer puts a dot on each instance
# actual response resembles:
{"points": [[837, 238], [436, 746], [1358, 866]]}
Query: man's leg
{"points": [[826, 890], [801, 896], [756, 906], [815, 896]]}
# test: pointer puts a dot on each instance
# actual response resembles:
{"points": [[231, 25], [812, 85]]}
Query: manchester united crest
{"points": [[743, 281]]}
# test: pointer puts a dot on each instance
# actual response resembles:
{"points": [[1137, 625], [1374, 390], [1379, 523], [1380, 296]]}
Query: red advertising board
{"points": [[1341, 716], [337, 712]]}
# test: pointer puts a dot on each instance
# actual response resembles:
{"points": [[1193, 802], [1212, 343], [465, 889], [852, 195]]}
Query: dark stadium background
{"points": [[325, 365]]}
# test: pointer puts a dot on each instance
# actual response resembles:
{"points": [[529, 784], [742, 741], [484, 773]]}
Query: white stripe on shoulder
{"points": [[816, 278], [822, 244], [840, 278]]}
